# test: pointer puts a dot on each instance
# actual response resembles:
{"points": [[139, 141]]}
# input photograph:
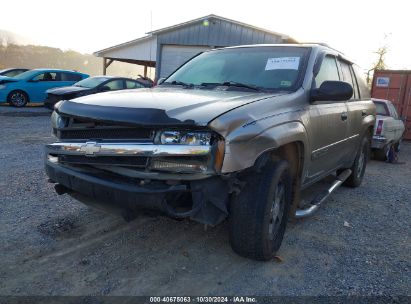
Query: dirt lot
{"points": [[53, 245]]}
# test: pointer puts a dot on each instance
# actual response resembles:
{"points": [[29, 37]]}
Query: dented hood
{"points": [[159, 106]]}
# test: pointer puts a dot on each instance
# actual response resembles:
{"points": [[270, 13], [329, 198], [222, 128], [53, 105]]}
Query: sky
{"points": [[355, 27]]}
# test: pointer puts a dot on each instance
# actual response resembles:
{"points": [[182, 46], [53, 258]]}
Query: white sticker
{"points": [[282, 63], [383, 81]]}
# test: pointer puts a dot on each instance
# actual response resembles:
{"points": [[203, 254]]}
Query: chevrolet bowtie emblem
{"points": [[90, 148]]}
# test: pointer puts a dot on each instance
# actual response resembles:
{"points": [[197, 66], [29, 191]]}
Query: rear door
{"points": [[356, 110], [398, 124], [328, 126]]}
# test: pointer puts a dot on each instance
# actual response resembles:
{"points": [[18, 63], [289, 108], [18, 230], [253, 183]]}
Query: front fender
{"points": [[242, 153]]}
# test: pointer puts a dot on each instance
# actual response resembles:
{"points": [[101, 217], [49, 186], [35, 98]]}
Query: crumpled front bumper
{"points": [[102, 188]]}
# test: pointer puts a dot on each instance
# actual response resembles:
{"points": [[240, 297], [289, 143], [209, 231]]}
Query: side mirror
{"points": [[161, 80], [332, 91], [104, 89]]}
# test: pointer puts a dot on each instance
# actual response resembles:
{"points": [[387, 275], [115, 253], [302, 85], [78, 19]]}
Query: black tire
{"points": [[17, 98], [381, 154], [397, 145], [253, 231], [360, 163]]}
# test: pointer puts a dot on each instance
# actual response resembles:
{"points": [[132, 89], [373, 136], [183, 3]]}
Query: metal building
{"points": [[167, 48]]}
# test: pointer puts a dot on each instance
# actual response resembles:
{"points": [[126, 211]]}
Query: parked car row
{"points": [[21, 86]]}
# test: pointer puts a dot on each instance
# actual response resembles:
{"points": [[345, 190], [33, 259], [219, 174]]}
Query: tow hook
{"points": [[60, 189]]}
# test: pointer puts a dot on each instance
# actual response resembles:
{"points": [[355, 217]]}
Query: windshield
{"points": [[274, 68], [91, 82]]}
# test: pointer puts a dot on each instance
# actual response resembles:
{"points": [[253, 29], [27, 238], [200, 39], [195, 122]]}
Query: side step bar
{"points": [[319, 199]]}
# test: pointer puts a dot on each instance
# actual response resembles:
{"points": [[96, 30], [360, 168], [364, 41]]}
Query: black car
{"points": [[12, 72], [92, 85]]}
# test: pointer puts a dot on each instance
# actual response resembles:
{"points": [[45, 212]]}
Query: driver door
{"points": [[328, 126]]}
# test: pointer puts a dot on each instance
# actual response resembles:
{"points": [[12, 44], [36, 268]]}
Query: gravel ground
{"points": [[53, 245]]}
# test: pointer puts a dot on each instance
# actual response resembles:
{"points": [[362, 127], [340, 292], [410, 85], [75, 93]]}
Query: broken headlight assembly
{"points": [[193, 164], [199, 138]]}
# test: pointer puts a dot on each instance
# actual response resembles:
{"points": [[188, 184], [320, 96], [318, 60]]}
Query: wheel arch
{"points": [[18, 90]]}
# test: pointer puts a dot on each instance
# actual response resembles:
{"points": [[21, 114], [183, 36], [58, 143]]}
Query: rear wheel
{"points": [[18, 98], [381, 154], [360, 163], [259, 214]]}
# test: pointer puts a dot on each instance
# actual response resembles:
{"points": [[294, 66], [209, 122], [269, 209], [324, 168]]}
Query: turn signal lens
{"points": [[219, 156]]}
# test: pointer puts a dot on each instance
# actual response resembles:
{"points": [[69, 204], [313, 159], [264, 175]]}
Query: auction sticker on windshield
{"points": [[282, 63]]}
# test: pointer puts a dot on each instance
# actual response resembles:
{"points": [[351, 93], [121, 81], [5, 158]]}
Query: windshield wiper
{"points": [[233, 84], [176, 82]]}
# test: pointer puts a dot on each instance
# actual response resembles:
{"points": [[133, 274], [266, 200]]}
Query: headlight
{"points": [[57, 121], [185, 138], [2, 86]]}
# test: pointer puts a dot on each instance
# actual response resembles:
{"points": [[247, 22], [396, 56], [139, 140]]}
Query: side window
{"points": [[381, 108], [115, 85], [47, 76], [70, 77], [133, 85], [348, 77], [328, 71], [362, 85], [393, 111]]}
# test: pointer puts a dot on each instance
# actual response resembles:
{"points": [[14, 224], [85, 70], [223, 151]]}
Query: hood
{"points": [[160, 106], [67, 90]]}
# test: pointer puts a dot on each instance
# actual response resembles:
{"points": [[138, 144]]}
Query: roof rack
{"points": [[323, 44]]}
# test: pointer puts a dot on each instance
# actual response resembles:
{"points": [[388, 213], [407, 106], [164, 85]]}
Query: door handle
{"points": [[344, 116]]}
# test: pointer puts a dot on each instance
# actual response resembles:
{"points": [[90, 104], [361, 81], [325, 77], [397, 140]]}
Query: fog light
{"points": [[178, 166]]}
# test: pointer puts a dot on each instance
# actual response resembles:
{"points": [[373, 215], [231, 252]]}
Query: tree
{"points": [[379, 63]]}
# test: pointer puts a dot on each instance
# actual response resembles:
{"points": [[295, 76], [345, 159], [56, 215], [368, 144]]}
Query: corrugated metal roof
{"points": [[210, 17]]}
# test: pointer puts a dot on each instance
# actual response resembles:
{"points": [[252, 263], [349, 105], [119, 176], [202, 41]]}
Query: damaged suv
{"points": [[234, 133]]}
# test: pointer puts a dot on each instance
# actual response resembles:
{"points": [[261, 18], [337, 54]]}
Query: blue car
{"points": [[31, 86]]}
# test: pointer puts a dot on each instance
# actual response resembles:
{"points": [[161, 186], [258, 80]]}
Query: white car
{"points": [[388, 129]]}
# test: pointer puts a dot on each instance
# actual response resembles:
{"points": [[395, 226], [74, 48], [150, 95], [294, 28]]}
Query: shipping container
{"points": [[395, 85]]}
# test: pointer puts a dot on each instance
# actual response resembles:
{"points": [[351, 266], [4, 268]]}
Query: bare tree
{"points": [[379, 64]]}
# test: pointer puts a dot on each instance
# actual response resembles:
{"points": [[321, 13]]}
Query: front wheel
{"points": [[360, 163], [259, 214], [18, 99]]}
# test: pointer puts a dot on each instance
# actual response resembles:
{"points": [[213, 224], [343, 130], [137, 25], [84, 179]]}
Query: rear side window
{"points": [[328, 71], [133, 85], [393, 111], [70, 77], [46, 76], [362, 85], [115, 85], [381, 109], [348, 77]]}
